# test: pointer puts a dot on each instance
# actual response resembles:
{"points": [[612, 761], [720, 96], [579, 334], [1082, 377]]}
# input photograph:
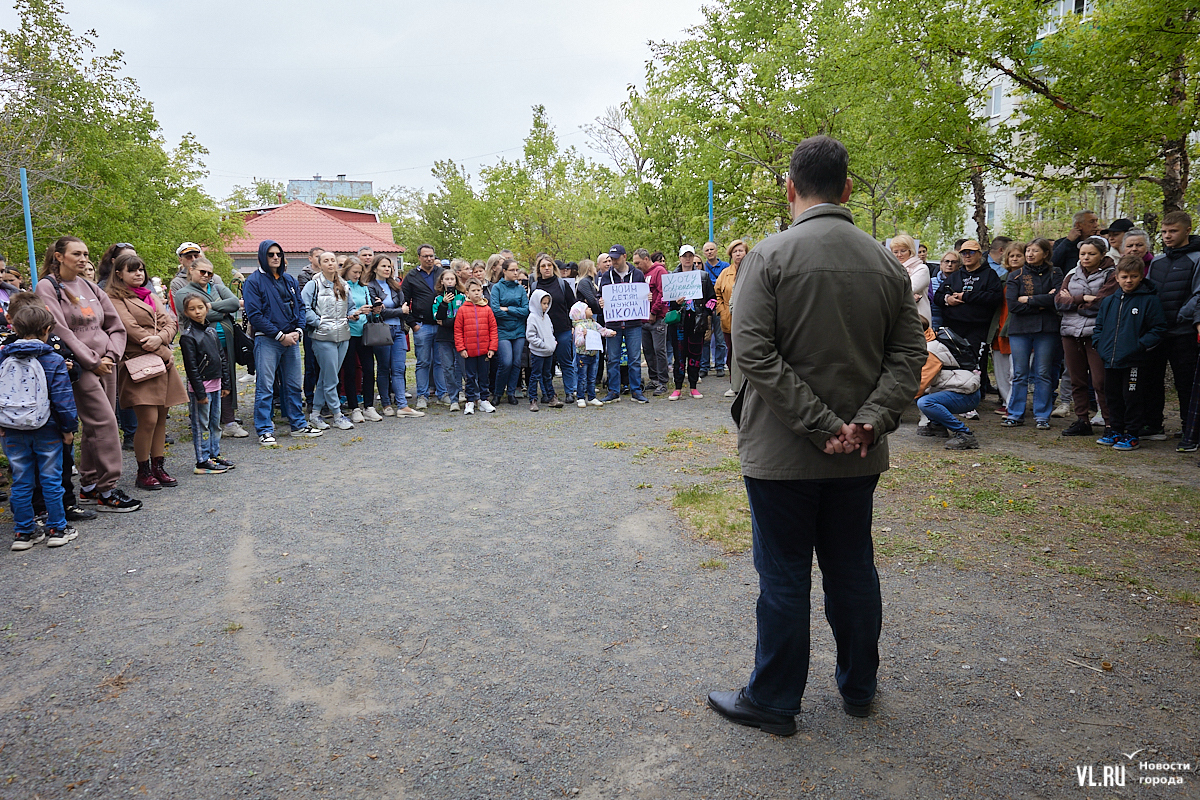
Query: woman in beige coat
{"points": [[149, 329]]}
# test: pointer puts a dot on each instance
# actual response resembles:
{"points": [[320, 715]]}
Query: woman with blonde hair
{"points": [[724, 290], [904, 248], [150, 328]]}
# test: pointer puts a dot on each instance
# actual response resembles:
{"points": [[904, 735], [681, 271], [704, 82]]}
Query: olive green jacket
{"points": [[825, 332]]}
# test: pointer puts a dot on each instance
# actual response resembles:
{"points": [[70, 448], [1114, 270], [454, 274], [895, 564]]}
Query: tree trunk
{"points": [[1176, 164], [980, 198]]}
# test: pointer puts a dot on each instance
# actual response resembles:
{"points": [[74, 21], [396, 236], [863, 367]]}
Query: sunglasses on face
{"points": [[274, 255], [205, 272], [970, 252], [949, 261]]}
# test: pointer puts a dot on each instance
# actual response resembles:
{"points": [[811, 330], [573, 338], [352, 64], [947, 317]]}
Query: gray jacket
{"points": [[1079, 318], [324, 312], [825, 332]]}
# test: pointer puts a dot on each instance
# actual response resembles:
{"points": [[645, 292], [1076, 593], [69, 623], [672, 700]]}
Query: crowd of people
{"points": [[1090, 321]]}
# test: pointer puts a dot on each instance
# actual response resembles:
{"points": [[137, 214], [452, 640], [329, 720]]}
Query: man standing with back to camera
{"points": [[827, 336]]}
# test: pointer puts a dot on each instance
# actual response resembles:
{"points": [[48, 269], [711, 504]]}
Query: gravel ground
{"points": [[491, 607]]}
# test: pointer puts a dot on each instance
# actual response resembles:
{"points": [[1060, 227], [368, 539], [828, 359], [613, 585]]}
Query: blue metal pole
{"points": [[710, 212], [28, 228]]}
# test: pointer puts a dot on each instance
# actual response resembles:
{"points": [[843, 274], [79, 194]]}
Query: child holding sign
{"points": [[588, 341], [687, 323]]}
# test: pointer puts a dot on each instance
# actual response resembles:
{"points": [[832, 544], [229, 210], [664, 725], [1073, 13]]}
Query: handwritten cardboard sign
{"points": [[626, 301], [688, 285]]}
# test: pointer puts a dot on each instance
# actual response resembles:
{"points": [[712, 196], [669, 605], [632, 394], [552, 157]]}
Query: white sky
{"points": [[377, 90]]}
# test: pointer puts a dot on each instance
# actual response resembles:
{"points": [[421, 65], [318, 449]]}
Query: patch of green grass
{"points": [[232, 627], [611, 445], [301, 446], [713, 563], [718, 513], [727, 465], [677, 436]]}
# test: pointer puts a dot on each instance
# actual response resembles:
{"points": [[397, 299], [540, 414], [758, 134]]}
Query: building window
{"points": [[991, 214], [995, 100], [1026, 206]]}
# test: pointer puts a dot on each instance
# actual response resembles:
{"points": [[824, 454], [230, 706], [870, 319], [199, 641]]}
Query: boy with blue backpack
{"points": [[37, 417]]}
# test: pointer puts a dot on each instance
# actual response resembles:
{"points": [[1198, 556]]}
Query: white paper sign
{"points": [[593, 340], [626, 301], [688, 285]]}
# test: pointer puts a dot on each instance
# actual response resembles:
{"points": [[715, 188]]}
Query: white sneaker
{"points": [[454, 406], [581, 403], [486, 407], [234, 431], [342, 423], [246, 379], [409, 411], [1098, 419], [462, 397], [469, 410], [356, 416], [422, 403], [371, 415], [596, 401], [315, 420], [388, 411], [1063, 410], [730, 393], [307, 432]]}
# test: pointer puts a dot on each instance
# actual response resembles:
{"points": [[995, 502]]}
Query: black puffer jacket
{"points": [[1176, 273], [203, 359], [1039, 284]]}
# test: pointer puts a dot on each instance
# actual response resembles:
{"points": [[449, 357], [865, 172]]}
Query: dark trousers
{"points": [[1181, 353], [475, 370], [977, 335], [311, 370], [1126, 400], [687, 339], [358, 374], [1083, 361], [791, 520]]}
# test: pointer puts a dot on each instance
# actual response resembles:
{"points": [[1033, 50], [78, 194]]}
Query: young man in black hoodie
{"points": [[1176, 275]]}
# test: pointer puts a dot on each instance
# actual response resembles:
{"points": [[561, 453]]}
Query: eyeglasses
{"points": [[949, 260], [964, 252], [123, 246], [205, 272]]}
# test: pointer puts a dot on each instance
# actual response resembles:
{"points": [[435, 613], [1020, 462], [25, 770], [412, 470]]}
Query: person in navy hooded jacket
{"points": [[276, 312]]}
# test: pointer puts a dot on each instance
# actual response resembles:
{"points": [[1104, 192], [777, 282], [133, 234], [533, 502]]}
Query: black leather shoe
{"points": [[855, 710], [734, 707]]}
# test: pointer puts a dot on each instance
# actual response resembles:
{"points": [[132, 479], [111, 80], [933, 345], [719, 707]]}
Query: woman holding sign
{"points": [[687, 322]]}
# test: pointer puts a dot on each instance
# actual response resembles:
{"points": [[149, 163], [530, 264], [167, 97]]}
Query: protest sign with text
{"points": [[626, 301], [686, 285]]}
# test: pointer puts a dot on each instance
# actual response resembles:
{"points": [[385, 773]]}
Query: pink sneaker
{"points": [[674, 395], [696, 394]]}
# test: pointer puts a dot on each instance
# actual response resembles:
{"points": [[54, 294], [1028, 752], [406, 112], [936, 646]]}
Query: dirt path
{"points": [[504, 606]]}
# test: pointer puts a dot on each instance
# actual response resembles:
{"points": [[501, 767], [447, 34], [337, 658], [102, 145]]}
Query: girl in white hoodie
{"points": [[539, 336]]}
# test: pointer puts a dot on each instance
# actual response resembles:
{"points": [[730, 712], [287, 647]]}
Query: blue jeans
{"points": [[206, 425], [427, 361], [508, 374], [397, 364], [270, 357], [564, 354], [330, 356], [713, 353], [452, 370], [586, 375], [541, 371], [941, 407], [33, 455], [1042, 348], [476, 371], [632, 336], [790, 520]]}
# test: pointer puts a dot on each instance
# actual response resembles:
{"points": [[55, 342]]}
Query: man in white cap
{"points": [[187, 253]]}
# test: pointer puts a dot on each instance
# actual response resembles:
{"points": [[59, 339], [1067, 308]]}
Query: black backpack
{"points": [[964, 353]]}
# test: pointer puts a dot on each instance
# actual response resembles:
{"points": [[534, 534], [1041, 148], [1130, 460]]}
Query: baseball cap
{"points": [[687, 248], [187, 247], [970, 244], [616, 251]]}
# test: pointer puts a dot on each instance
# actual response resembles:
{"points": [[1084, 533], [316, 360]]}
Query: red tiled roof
{"points": [[297, 226]]}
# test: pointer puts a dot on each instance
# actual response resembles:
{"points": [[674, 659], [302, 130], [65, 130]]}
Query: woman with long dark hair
{"points": [[150, 328], [89, 326]]}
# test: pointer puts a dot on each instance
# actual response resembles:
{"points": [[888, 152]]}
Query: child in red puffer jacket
{"points": [[476, 340]]}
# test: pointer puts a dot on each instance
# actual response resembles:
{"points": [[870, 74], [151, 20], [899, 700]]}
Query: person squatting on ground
{"points": [[831, 358]]}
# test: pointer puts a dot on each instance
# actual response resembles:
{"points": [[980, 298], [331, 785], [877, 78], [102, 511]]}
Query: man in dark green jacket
{"points": [[827, 337]]}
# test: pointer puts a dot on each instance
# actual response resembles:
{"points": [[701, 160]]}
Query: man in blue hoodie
{"points": [[276, 313]]}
